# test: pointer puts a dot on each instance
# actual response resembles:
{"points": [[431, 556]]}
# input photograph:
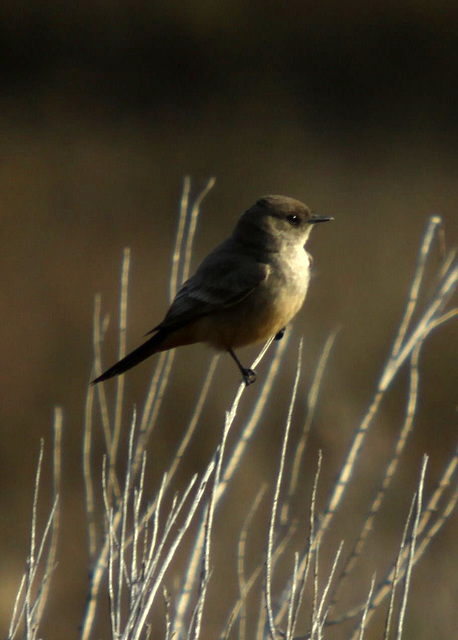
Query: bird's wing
{"points": [[222, 280]]}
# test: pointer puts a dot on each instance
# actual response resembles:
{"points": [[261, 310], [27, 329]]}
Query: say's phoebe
{"points": [[245, 291]]}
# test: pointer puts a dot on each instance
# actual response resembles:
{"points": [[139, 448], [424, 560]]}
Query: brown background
{"points": [[104, 107]]}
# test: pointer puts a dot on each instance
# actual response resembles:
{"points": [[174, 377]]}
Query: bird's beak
{"points": [[316, 218]]}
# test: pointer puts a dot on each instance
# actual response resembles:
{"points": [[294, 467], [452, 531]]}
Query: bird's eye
{"points": [[294, 219]]}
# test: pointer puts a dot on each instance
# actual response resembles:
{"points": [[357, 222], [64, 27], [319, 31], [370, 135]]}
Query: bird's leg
{"points": [[280, 334], [249, 376]]}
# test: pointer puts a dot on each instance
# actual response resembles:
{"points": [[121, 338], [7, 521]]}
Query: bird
{"points": [[245, 291]]}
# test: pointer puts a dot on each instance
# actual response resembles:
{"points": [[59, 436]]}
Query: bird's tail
{"points": [[135, 357]]}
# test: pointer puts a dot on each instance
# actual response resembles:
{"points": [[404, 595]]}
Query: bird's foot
{"points": [[249, 376], [280, 334]]}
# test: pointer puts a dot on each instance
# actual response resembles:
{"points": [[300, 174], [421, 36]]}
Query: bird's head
{"points": [[280, 218]]}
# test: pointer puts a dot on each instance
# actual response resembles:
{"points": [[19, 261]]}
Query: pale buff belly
{"points": [[255, 319]]}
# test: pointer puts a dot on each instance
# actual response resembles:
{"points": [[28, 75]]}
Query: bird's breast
{"points": [[266, 310]]}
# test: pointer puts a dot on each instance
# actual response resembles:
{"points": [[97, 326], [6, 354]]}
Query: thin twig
{"points": [[99, 330], [273, 518], [310, 545], [410, 563], [397, 571], [55, 519], [178, 249], [366, 609], [312, 401], [241, 553], [193, 226], [113, 451]]}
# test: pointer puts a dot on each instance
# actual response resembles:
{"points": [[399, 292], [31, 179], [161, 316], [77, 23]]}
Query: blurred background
{"points": [[104, 107]]}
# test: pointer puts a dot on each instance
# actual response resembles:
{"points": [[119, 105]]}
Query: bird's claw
{"points": [[280, 334], [249, 376]]}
